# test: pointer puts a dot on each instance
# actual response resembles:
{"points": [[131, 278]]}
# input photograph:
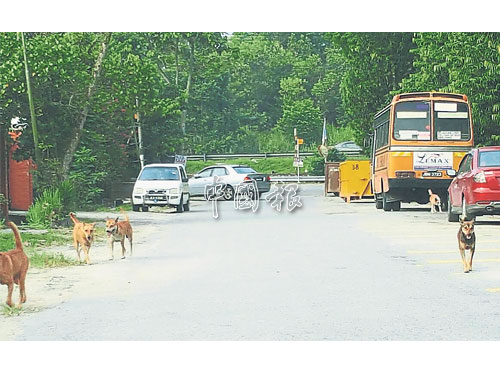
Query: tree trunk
{"points": [[188, 92], [75, 140]]}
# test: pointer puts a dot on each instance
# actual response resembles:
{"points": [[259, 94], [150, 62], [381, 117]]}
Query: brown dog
{"points": [[83, 235], [117, 231], [13, 268], [466, 241], [435, 201]]}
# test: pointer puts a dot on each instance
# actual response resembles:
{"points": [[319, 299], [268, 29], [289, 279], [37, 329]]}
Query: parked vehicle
{"points": [[161, 185], [475, 190], [348, 147], [417, 139], [230, 176]]}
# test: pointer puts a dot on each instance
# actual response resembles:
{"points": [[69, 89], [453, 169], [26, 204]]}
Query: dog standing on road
{"points": [[13, 268], [435, 201], [83, 236], [117, 231], [466, 241]]}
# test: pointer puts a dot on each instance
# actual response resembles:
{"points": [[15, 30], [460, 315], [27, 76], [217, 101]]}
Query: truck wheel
{"points": [[396, 206], [385, 205], [378, 203], [452, 218], [136, 207], [145, 208]]}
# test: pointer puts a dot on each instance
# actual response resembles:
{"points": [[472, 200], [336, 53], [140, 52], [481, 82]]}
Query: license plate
{"points": [[432, 174]]}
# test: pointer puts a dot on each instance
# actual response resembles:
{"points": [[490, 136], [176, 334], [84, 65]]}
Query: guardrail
{"points": [[277, 178], [206, 157]]}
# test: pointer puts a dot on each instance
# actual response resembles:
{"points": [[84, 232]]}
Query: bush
{"points": [[318, 163], [46, 210], [86, 177], [52, 206]]}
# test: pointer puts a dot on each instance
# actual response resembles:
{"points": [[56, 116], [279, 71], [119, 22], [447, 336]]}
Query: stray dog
{"points": [[83, 235], [466, 241], [117, 231], [13, 268], [435, 201]]}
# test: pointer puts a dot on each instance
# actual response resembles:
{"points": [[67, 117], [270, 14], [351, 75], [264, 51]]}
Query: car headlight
{"points": [[138, 190], [174, 191]]}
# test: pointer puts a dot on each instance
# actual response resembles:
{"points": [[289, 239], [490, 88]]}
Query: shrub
{"points": [[318, 163], [46, 210]]}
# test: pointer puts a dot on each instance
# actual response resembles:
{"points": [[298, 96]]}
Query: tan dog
{"points": [[466, 241], [83, 236], [435, 201], [117, 231], [13, 268]]}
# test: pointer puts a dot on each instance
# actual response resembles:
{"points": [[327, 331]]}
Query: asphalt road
{"points": [[325, 271]]}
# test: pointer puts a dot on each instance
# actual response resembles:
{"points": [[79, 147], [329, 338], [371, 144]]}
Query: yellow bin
{"points": [[355, 180]]}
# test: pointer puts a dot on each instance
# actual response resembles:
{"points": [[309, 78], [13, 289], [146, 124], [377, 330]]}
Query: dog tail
{"points": [[17, 236], [430, 191], [124, 214], [73, 217]]}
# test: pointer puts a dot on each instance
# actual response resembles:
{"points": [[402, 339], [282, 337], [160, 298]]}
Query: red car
{"points": [[475, 190]]}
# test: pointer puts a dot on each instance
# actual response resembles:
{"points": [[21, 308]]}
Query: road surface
{"points": [[325, 271]]}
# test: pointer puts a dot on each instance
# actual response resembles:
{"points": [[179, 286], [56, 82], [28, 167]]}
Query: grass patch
{"points": [[125, 207], [11, 311], [42, 259], [33, 242]]}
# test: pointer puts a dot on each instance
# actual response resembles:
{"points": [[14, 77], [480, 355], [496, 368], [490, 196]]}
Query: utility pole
{"points": [[297, 162], [139, 133], [4, 186], [38, 156]]}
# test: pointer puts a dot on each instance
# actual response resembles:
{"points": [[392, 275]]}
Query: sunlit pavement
{"points": [[325, 271]]}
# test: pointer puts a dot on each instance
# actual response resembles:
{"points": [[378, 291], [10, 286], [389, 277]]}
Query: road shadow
{"points": [[415, 209], [487, 222]]}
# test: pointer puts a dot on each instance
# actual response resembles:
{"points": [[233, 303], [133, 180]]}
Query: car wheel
{"points": [[228, 193], [186, 206], [452, 218], [136, 207], [145, 208], [180, 207]]}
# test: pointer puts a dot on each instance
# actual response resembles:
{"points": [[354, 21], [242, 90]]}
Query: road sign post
{"points": [[297, 162]]}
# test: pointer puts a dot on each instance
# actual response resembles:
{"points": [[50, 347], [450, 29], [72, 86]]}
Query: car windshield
{"points": [[160, 173], [412, 121], [243, 170], [451, 121], [489, 158]]}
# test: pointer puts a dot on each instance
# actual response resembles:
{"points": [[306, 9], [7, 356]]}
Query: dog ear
{"points": [[116, 220]]}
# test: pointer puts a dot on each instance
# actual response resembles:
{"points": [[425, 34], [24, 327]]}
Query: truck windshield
{"points": [[451, 121], [412, 121], [160, 173]]}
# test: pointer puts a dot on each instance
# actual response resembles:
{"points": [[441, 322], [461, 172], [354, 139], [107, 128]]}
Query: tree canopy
{"points": [[220, 93]]}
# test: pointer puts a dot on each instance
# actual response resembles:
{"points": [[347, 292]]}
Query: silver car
{"points": [[231, 176]]}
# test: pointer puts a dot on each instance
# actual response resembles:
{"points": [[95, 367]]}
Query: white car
{"points": [[229, 175], [161, 185]]}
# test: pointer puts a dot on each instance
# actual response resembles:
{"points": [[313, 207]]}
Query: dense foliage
{"points": [[220, 93]]}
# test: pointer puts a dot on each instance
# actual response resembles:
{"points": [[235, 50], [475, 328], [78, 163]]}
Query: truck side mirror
{"points": [[451, 172]]}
